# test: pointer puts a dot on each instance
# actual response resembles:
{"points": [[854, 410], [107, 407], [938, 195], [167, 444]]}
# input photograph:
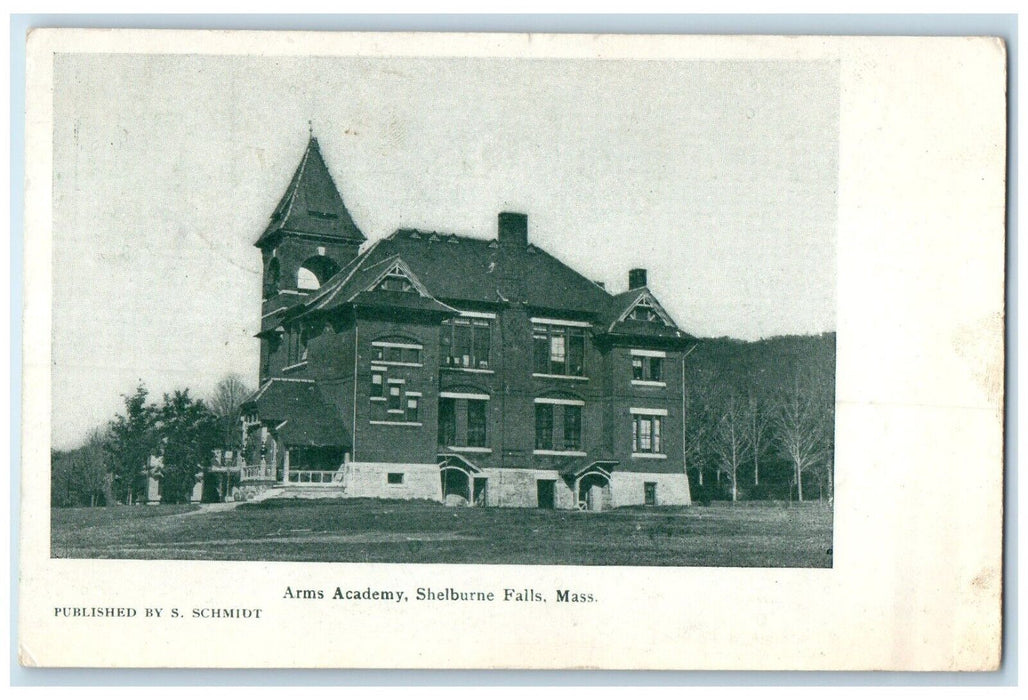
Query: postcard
{"points": [[352, 350]]}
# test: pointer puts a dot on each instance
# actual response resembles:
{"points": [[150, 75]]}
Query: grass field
{"points": [[361, 530]]}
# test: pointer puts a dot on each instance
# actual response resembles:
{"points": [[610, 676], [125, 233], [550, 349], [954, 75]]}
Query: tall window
{"points": [[447, 421], [296, 350], [558, 425], [476, 423], [647, 368], [465, 342], [463, 421], [394, 397], [558, 350], [377, 384], [572, 427], [544, 426], [646, 434]]}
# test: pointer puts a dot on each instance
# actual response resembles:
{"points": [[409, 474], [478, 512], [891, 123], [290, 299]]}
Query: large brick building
{"points": [[438, 366]]}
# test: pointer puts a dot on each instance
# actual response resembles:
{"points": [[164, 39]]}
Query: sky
{"points": [[718, 177]]}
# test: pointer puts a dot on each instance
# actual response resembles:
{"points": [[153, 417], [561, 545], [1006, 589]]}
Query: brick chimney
{"points": [[636, 278], [513, 229]]}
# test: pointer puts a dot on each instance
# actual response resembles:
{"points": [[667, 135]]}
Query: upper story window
{"points": [[296, 349], [466, 343], [558, 348], [648, 366], [396, 352]]}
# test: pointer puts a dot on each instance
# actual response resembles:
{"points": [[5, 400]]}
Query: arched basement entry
{"points": [[594, 492], [456, 485], [591, 485], [459, 484]]}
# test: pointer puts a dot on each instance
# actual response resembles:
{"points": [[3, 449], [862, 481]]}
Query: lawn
{"points": [[360, 530]]}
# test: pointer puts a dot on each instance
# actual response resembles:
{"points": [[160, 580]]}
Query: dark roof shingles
{"points": [[310, 420], [312, 203]]}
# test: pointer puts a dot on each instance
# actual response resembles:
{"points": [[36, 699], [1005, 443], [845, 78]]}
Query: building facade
{"points": [[465, 370]]}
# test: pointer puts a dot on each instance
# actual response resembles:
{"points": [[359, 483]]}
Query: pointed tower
{"points": [[311, 234]]}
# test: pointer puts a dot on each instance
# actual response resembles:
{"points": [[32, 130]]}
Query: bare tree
{"points": [[228, 396], [730, 441], [803, 424], [700, 423], [758, 426]]}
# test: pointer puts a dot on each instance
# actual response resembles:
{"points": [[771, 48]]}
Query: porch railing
{"points": [[323, 478], [256, 473]]}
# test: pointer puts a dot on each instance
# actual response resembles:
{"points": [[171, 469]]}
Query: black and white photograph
{"points": [[444, 310], [429, 347]]}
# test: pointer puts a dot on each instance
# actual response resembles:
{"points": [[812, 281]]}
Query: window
{"points": [[544, 426], [646, 434], [650, 493], [572, 427], [476, 423], [390, 402], [296, 350], [465, 342], [648, 368], [394, 478], [389, 352], [558, 350], [558, 425], [463, 420], [447, 421], [411, 414]]}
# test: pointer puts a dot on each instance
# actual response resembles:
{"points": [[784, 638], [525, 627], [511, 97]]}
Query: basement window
{"points": [[394, 478]]}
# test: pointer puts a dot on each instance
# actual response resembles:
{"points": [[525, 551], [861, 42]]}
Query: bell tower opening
{"points": [[314, 272]]}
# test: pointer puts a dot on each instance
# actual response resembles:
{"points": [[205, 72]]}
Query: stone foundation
{"points": [[371, 480], [628, 489]]}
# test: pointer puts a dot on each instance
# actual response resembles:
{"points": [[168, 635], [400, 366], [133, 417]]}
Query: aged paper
{"points": [[851, 188]]}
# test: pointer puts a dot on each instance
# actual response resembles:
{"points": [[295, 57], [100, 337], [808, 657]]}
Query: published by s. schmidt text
{"points": [[429, 594]]}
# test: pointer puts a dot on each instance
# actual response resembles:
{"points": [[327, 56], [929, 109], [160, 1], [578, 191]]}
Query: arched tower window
{"points": [[314, 272]]}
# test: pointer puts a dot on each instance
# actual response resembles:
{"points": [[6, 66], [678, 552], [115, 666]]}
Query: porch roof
{"points": [[299, 414], [600, 466]]}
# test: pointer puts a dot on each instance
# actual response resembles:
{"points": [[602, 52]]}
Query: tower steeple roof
{"points": [[312, 203]]}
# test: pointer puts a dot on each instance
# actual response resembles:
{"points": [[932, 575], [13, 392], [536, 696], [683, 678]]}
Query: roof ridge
{"points": [[425, 232], [297, 180]]}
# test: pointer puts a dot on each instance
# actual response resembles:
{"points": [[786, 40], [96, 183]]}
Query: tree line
{"points": [[114, 464], [761, 419], [760, 423]]}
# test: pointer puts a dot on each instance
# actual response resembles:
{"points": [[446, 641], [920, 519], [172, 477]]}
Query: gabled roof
{"points": [[461, 269], [358, 285], [617, 320], [312, 203], [300, 413]]}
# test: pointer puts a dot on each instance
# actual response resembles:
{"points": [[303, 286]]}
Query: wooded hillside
{"points": [[761, 418]]}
